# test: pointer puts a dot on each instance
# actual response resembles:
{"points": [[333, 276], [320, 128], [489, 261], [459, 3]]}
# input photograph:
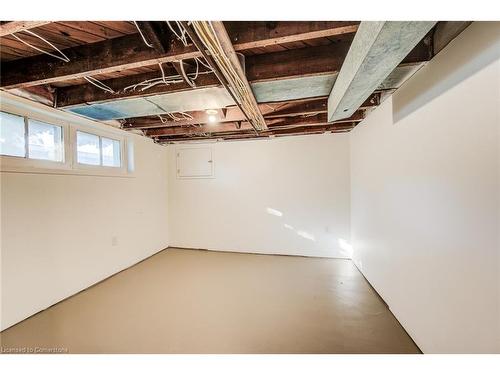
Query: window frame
{"points": [[27, 135], [25, 127], [14, 162], [70, 124], [122, 169]]}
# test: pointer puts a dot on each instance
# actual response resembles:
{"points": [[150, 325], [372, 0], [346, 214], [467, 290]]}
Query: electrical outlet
{"points": [[114, 241]]}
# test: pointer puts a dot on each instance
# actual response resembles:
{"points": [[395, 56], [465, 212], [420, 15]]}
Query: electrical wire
{"points": [[184, 75], [142, 35], [183, 116], [163, 74], [99, 84], [182, 36], [166, 80], [62, 56]]}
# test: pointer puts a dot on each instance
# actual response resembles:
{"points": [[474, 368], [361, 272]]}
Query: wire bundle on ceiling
{"points": [[187, 77], [60, 56], [174, 116], [241, 90], [182, 36]]}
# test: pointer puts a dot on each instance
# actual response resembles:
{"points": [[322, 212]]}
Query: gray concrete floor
{"points": [[192, 301]]}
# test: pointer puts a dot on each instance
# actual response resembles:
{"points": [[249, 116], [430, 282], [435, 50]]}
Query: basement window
{"points": [[12, 135], [110, 152], [96, 150], [45, 141], [27, 138]]}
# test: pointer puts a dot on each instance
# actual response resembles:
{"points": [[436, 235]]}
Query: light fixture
{"points": [[212, 118]]}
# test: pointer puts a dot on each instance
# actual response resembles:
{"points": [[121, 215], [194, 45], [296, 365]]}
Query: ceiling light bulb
{"points": [[212, 118]]}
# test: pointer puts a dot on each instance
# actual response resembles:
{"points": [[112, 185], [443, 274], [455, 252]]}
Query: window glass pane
{"points": [[12, 141], [87, 148], [44, 141], [110, 152]]}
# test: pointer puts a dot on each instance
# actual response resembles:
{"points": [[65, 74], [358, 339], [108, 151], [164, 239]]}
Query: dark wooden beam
{"points": [[296, 62], [129, 52], [11, 27]]}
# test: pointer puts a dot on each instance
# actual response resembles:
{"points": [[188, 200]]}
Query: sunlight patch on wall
{"points": [[272, 211], [306, 235], [346, 247]]}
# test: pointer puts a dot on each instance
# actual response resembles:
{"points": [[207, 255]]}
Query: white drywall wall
{"points": [[279, 196], [425, 196], [61, 233]]}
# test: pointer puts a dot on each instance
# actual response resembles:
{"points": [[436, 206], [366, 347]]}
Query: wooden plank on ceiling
{"points": [[11, 27], [257, 34], [94, 28]]}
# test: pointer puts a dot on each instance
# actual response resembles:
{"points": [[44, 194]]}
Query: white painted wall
{"points": [[57, 229], [304, 178], [426, 197]]}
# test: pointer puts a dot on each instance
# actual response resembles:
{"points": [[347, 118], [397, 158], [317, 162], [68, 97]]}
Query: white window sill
{"points": [[22, 165]]}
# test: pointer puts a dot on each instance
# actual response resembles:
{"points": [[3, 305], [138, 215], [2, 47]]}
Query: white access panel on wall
{"points": [[195, 162]]}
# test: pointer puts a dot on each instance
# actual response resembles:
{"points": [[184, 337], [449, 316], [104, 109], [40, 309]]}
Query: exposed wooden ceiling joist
{"points": [[129, 52], [271, 132], [301, 107], [11, 27], [275, 123]]}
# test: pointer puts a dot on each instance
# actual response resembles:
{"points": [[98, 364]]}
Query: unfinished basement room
{"points": [[250, 187]]}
